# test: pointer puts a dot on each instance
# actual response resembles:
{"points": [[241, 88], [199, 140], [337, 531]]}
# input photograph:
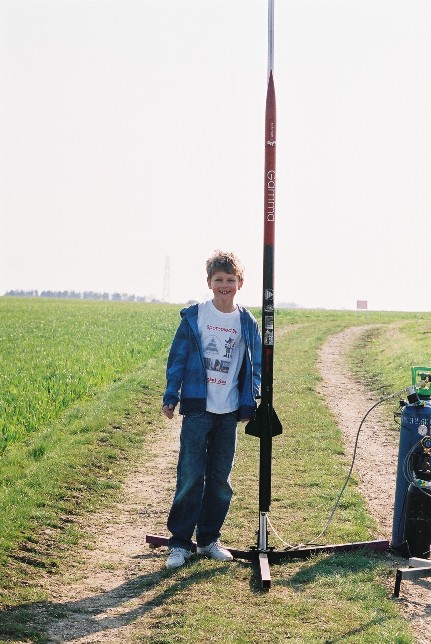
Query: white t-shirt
{"points": [[223, 349]]}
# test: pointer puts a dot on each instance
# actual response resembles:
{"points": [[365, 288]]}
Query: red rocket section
{"points": [[270, 162]]}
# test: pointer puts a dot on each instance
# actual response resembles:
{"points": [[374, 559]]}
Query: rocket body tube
{"points": [[266, 424], [268, 299]]}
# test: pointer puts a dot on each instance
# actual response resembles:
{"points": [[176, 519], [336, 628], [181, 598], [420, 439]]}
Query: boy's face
{"points": [[224, 287]]}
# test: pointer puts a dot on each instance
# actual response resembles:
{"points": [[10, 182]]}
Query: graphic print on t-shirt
{"points": [[217, 357]]}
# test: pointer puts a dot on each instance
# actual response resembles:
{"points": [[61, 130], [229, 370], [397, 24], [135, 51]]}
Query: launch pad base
{"points": [[264, 559]]}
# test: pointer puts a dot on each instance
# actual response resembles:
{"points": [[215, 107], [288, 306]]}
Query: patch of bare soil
{"points": [[375, 464]]}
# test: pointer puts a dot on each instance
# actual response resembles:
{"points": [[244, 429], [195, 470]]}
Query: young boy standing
{"points": [[213, 371]]}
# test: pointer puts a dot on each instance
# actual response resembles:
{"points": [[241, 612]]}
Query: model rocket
{"points": [[266, 424]]}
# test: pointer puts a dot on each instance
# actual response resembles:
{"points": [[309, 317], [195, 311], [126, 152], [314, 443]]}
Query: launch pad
{"points": [[264, 559]]}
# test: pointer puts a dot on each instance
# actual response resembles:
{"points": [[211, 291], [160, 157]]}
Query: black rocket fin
{"points": [[277, 427], [255, 426]]}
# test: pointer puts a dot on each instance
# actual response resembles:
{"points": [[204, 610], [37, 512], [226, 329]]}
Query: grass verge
{"points": [[73, 466]]}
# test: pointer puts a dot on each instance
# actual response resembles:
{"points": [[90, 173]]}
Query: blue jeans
{"points": [[203, 493]]}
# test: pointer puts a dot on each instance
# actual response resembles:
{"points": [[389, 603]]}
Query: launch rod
{"points": [[270, 36]]}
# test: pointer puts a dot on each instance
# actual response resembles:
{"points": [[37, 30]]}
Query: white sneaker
{"points": [[215, 551], [177, 557]]}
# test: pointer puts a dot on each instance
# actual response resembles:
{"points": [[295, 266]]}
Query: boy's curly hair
{"points": [[223, 261]]}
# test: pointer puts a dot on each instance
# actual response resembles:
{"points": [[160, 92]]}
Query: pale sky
{"points": [[132, 132]]}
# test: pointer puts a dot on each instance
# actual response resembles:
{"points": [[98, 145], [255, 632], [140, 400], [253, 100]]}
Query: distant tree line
{"points": [[86, 295]]}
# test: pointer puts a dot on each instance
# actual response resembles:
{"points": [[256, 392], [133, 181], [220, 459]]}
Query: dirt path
{"points": [[102, 597], [376, 461]]}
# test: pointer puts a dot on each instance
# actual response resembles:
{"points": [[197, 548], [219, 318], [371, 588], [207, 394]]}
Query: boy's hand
{"points": [[168, 410]]}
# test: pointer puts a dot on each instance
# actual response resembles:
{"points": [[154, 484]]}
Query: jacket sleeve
{"points": [[177, 361]]}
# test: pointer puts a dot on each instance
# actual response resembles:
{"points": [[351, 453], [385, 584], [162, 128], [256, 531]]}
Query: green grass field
{"points": [[72, 374], [56, 352]]}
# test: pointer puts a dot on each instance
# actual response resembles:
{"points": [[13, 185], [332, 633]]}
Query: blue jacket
{"points": [[186, 375]]}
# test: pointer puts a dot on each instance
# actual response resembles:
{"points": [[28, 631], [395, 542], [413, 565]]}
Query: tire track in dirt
{"points": [[375, 463], [101, 597], [377, 452]]}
